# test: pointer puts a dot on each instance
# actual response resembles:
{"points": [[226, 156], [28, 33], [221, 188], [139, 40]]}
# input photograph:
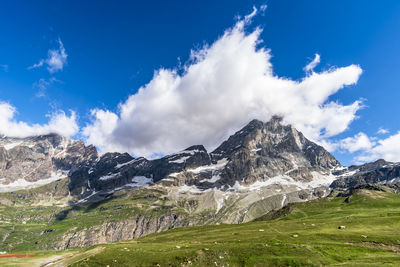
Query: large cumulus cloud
{"points": [[222, 87]]}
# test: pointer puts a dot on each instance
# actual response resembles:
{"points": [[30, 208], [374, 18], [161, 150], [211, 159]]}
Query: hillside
{"points": [[115, 197], [309, 235]]}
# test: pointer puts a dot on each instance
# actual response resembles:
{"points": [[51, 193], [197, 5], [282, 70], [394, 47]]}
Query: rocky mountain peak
{"points": [[34, 160], [263, 152], [273, 138], [258, 152], [274, 122]]}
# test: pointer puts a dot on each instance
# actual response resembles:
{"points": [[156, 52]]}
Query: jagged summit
{"points": [[264, 165], [37, 160], [272, 139], [261, 153], [258, 152]]}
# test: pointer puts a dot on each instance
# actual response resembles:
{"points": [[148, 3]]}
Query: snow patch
{"points": [[349, 173], [283, 200], [179, 160], [190, 152], [12, 145], [168, 180], [317, 181], [124, 164], [141, 181], [83, 200], [192, 189], [24, 184], [212, 180], [109, 176], [213, 167]]}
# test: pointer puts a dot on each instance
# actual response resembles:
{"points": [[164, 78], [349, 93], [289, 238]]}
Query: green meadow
{"points": [[301, 234]]}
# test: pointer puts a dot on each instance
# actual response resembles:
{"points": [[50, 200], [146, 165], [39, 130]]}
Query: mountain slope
{"points": [[307, 236], [260, 152], [378, 172], [34, 161], [113, 197]]}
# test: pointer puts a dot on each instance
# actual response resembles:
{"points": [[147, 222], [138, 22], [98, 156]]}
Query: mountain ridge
{"points": [[112, 197], [255, 153]]}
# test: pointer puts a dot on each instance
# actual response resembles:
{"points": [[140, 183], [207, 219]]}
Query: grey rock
{"points": [[378, 172]]}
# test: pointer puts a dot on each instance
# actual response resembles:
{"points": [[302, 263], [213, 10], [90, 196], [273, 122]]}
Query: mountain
{"points": [[259, 155], [378, 172], [301, 234], [34, 161], [85, 198]]}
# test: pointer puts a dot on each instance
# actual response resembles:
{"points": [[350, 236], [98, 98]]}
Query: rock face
{"points": [[263, 153], [119, 230], [266, 153], [262, 167], [34, 161], [378, 172], [259, 155]]}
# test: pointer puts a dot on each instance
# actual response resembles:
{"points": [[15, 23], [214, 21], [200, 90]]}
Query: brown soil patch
{"points": [[16, 255]]}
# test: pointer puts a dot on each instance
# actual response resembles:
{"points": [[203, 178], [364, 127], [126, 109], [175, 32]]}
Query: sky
{"points": [[154, 77]]}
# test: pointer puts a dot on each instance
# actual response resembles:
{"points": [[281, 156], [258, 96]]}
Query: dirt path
{"points": [[68, 259]]}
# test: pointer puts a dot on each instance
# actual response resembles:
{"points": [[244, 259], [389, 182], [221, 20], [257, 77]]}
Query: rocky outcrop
{"points": [[261, 152], [260, 168], [34, 161], [378, 172], [121, 230]]}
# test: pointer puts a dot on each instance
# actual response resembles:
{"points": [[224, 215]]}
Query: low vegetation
{"points": [[360, 229]]}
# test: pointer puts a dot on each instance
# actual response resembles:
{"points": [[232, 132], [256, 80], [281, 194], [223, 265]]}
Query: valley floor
{"points": [[308, 235]]}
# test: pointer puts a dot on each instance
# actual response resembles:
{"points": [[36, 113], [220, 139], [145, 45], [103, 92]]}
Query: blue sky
{"points": [[114, 48]]}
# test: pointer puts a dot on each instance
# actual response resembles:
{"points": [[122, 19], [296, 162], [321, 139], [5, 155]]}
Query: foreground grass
{"points": [[28, 227], [309, 235]]}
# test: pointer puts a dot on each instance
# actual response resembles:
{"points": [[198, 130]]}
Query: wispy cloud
{"points": [[42, 85], [383, 131], [36, 65], [263, 8], [311, 66], [55, 61]]}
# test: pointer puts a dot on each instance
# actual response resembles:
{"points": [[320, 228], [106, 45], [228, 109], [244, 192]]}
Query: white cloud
{"points": [[103, 125], [55, 61], [311, 66], [248, 18], [222, 88], [359, 142], [263, 8], [36, 65], [58, 122], [383, 131], [371, 148], [388, 149]]}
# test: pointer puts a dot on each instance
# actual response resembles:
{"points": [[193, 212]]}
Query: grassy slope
{"points": [[309, 235], [23, 224]]}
